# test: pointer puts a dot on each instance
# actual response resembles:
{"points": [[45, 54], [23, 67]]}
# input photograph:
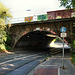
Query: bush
{"points": [[1, 50], [8, 39], [2, 47], [73, 58], [8, 48], [74, 43]]}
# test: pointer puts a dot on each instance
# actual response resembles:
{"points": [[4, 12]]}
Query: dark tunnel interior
{"points": [[35, 41]]}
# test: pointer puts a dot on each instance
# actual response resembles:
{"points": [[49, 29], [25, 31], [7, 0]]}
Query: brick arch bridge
{"points": [[19, 29]]}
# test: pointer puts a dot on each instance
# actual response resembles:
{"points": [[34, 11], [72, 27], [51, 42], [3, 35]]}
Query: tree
{"points": [[68, 3], [73, 35], [5, 15]]}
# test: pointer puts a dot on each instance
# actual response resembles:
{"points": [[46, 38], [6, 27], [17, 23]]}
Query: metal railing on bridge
{"points": [[50, 15]]}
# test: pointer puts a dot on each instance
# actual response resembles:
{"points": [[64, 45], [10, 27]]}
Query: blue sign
{"points": [[63, 29]]}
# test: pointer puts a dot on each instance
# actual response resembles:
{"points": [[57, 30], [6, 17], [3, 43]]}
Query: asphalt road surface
{"points": [[20, 64]]}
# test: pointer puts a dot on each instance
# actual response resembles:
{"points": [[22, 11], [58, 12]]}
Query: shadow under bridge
{"points": [[35, 40]]}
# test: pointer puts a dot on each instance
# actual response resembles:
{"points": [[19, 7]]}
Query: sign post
{"points": [[63, 52], [63, 34]]}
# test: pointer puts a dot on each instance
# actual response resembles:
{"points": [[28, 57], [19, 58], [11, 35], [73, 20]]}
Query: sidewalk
{"points": [[56, 62]]}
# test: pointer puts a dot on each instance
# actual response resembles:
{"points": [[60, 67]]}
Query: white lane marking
{"points": [[48, 65]]}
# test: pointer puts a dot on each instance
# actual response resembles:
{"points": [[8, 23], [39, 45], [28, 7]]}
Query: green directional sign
{"points": [[42, 17]]}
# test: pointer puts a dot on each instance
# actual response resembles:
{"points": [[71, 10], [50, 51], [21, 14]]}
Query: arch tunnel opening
{"points": [[35, 41]]}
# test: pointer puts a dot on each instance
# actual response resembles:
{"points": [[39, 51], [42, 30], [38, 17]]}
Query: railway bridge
{"points": [[53, 26]]}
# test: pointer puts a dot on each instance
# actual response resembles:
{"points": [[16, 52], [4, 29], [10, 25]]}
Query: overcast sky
{"points": [[19, 8]]}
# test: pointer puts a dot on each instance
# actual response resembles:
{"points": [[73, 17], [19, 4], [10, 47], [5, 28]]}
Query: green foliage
{"points": [[74, 25], [5, 40], [2, 47], [68, 3], [73, 58], [3, 37], [8, 48], [74, 35], [74, 43], [73, 52], [5, 15], [8, 39], [2, 22]]}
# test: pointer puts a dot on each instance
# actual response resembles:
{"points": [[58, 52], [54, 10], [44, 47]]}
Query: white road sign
{"points": [[63, 34]]}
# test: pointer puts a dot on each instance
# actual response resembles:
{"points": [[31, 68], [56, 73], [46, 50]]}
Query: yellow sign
{"points": [[29, 19]]}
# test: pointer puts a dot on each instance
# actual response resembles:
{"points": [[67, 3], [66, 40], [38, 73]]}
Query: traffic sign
{"points": [[63, 29], [63, 34]]}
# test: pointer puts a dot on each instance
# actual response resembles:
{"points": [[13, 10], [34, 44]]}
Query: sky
{"points": [[19, 8]]}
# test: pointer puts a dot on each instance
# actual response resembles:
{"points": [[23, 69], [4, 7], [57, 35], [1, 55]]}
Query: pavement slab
{"points": [[46, 71]]}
